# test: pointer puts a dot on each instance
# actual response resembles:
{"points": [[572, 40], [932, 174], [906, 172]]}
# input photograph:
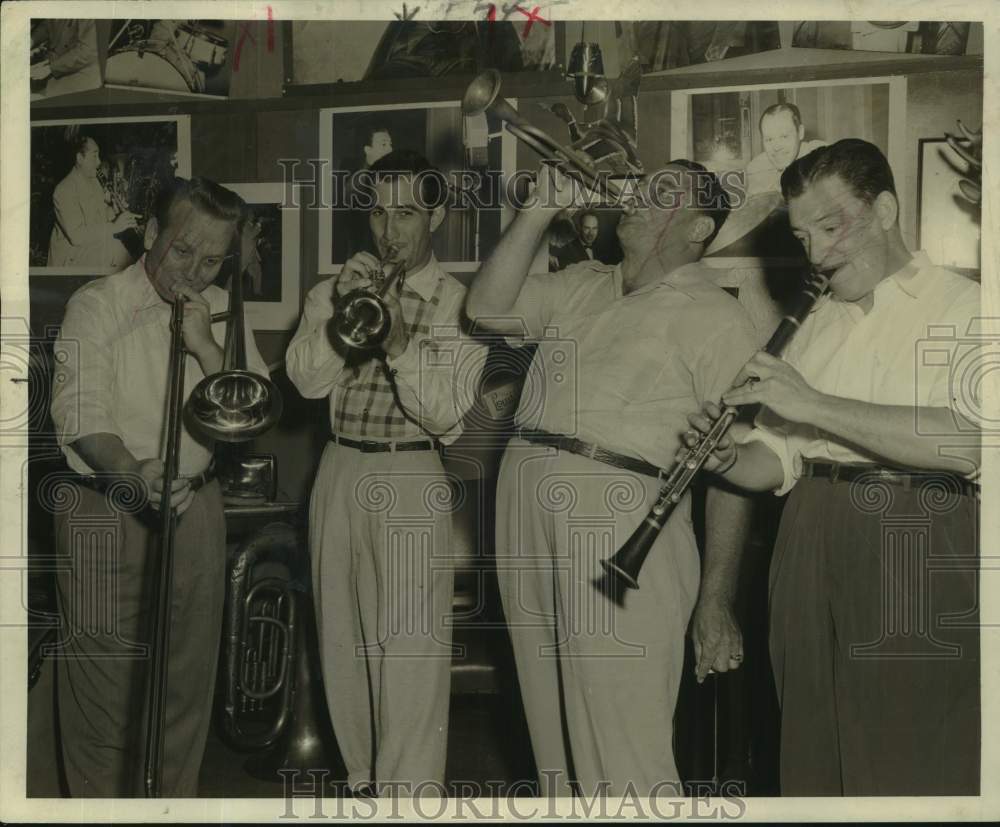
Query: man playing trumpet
{"points": [[622, 350], [380, 511]]}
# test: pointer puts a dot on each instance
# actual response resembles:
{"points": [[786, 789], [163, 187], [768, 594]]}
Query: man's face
{"points": [[189, 250], [380, 146], [668, 215], [399, 221], [589, 227], [842, 235], [781, 138], [89, 158]]}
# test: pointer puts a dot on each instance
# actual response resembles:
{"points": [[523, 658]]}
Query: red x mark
{"points": [[532, 16], [245, 33]]}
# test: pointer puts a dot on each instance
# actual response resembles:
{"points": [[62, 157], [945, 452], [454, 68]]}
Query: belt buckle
{"points": [[369, 446]]}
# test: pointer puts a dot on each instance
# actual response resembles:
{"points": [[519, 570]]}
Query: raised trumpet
{"points": [[361, 320], [606, 139]]}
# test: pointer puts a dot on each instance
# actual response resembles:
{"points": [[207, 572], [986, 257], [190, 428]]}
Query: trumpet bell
{"points": [[362, 322], [234, 405]]}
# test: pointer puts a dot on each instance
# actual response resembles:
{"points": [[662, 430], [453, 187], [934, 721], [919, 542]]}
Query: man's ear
{"points": [[437, 216], [887, 209], [152, 231], [802, 131], [701, 228]]}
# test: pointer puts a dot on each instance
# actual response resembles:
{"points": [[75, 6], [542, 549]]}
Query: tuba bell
{"points": [[235, 405]]}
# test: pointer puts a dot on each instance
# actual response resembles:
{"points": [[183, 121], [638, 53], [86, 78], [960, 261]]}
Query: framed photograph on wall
{"points": [[476, 155], [747, 135], [271, 294], [948, 227], [94, 182], [184, 57]]}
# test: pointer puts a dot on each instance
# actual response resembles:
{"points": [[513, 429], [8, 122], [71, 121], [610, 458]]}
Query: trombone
{"points": [[233, 405]]}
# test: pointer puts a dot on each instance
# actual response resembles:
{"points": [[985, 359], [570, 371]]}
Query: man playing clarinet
{"points": [[622, 350], [875, 656]]}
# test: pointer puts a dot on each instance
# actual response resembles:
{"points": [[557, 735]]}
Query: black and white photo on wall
{"points": [[187, 57], [271, 289], [327, 51], [64, 57], [475, 155], [748, 135], [94, 183]]}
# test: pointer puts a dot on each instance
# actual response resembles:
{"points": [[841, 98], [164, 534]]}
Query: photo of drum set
{"points": [[185, 56]]}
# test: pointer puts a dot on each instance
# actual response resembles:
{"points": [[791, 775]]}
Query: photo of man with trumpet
{"points": [[622, 350], [869, 426], [383, 341], [110, 408]]}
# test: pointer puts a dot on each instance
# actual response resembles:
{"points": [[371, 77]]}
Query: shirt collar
{"points": [[425, 280], [912, 277], [679, 279]]}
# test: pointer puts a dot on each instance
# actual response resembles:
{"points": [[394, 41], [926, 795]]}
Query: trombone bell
{"points": [[234, 405]]}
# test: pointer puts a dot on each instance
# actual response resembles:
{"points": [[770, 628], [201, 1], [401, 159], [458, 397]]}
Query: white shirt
{"points": [[624, 371], [909, 349], [113, 358]]}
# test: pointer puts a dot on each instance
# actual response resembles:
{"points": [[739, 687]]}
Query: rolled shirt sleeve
{"points": [[82, 401], [312, 364]]}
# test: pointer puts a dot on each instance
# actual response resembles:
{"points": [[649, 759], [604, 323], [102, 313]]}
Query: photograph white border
{"points": [[283, 315], [326, 266], [183, 170], [680, 108]]}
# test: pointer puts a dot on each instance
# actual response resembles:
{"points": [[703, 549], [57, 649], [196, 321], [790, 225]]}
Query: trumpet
{"points": [[627, 562], [607, 140], [361, 320]]}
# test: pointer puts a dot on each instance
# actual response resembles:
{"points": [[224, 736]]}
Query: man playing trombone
{"points": [[622, 350], [109, 403]]}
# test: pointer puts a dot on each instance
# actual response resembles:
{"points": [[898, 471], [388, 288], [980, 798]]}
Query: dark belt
{"points": [[587, 449], [371, 446], [104, 481], [845, 472]]}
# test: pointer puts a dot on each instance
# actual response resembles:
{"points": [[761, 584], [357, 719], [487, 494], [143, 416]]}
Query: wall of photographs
{"points": [[243, 103]]}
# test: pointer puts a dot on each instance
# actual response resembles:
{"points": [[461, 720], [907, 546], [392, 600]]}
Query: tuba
{"points": [[235, 405]]}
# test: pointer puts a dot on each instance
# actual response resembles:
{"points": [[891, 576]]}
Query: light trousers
{"points": [[599, 680], [380, 540], [103, 587]]}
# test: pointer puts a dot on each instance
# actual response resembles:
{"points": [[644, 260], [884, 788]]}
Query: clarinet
{"points": [[627, 562]]}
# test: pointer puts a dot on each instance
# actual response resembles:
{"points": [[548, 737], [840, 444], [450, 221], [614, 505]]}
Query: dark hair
{"points": [[367, 133], [583, 214], [714, 199], [203, 194], [410, 164], [77, 141], [859, 164], [775, 108]]}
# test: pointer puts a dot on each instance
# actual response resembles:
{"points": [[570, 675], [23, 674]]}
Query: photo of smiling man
{"points": [[782, 133]]}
